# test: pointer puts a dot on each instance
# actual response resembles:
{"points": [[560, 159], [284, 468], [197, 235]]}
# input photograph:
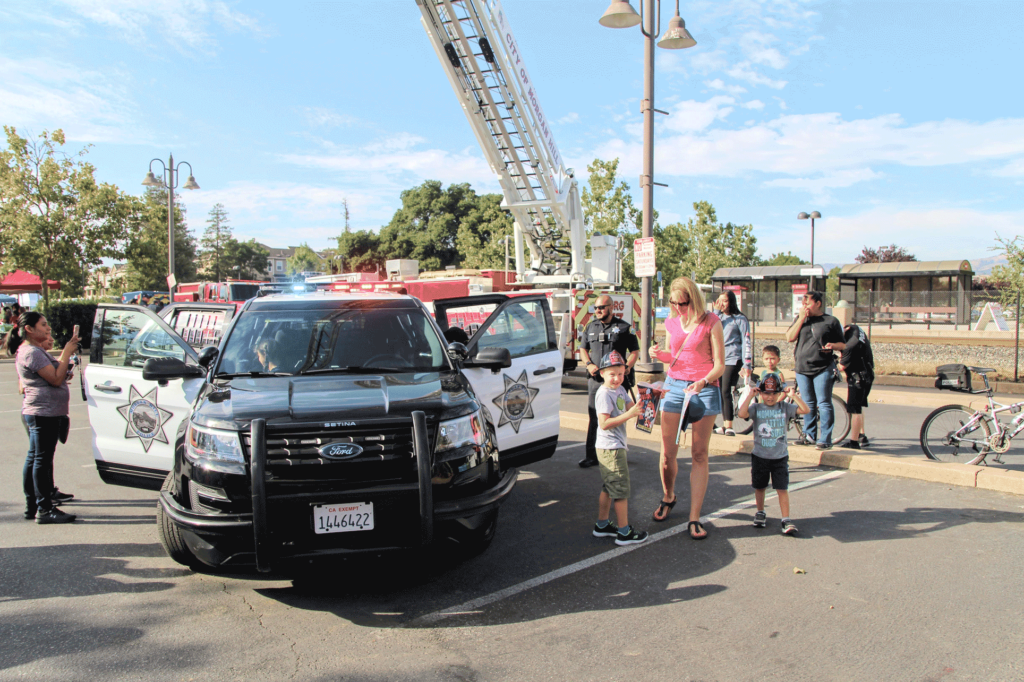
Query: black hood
{"points": [[234, 404]]}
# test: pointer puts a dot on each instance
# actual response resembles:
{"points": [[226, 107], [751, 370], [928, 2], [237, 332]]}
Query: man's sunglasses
{"points": [[602, 307]]}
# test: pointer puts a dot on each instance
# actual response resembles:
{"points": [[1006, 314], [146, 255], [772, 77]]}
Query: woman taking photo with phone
{"points": [[44, 409], [694, 361]]}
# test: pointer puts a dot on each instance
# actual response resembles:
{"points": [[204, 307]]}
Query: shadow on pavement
{"points": [[29, 638], [80, 570], [866, 526]]}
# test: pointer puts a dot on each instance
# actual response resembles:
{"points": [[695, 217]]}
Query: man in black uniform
{"points": [[859, 364], [603, 335]]}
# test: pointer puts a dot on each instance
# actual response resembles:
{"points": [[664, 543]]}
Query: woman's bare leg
{"points": [[669, 453], [699, 464]]}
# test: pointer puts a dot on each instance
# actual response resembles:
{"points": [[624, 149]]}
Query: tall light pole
{"points": [[804, 216], [620, 14], [169, 179]]}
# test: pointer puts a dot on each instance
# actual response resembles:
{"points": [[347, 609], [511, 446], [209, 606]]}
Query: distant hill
{"points": [[983, 266]]}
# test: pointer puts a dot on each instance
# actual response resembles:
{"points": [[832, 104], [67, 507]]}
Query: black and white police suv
{"points": [[322, 423]]}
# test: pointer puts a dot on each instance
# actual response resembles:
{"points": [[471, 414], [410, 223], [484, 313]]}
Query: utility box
{"points": [[401, 269], [604, 260]]}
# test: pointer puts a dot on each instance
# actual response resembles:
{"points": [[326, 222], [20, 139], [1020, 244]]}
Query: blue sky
{"points": [[900, 121]]}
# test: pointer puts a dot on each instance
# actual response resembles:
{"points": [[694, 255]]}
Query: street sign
{"points": [[809, 272], [643, 257], [171, 281]]}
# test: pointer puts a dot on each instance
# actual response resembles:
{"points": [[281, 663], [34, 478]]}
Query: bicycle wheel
{"points": [[741, 426], [952, 434], [841, 419]]}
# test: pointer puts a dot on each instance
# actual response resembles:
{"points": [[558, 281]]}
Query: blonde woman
{"points": [[694, 361]]}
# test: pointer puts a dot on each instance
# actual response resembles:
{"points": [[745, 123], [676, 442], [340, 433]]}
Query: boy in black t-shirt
{"points": [[859, 364], [817, 336]]}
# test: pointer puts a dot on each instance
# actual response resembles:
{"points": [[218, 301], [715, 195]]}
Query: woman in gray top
{"points": [[738, 354], [45, 411]]}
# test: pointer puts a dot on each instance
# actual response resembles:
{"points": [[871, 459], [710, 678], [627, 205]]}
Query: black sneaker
{"points": [[58, 497], [824, 446], [634, 537], [609, 531], [54, 516], [788, 527], [587, 463], [851, 445], [863, 440], [30, 514], [760, 519]]}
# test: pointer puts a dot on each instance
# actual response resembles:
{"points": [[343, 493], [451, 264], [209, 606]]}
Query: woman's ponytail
{"points": [[29, 318]]}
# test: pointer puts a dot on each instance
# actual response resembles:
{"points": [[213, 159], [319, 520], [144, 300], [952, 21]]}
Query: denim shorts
{"points": [[711, 396]]}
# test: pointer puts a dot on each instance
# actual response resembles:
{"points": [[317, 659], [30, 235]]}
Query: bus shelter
{"points": [[904, 293], [771, 293]]}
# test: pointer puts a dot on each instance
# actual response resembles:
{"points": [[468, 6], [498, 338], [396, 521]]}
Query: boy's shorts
{"points": [[614, 472], [762, 469]]}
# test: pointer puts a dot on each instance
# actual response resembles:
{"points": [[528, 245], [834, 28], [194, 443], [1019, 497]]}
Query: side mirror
{"points": [[491, 358], [208, 356], [458, 351], [163, 369]]}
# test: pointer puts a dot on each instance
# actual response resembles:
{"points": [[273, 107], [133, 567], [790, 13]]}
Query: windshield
{"points": [[243, 292], [343, 340]]}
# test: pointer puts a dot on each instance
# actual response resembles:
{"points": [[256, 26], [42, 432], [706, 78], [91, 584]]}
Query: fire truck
{"points": [[236, 291]]}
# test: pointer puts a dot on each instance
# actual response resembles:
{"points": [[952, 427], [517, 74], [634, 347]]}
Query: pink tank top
{"points": [[695, 359]]}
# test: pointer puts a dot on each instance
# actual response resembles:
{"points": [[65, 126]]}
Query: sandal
{"points": [[667, 506], [720, 430], [700, 528]]}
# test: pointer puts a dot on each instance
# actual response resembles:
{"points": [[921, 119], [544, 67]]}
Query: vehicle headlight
{"points": [[457, 433], [213, 445]]}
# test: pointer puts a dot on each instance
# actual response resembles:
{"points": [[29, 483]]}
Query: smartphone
{"points": [[76, 330]]}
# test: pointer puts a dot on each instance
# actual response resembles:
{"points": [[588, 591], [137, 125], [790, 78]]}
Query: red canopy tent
{"points": [[21, 282]]}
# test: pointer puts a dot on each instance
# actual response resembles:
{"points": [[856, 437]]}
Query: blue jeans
{"points": [[37, 475], [817, 393]]}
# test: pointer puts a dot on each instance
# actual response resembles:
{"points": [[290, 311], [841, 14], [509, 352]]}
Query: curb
{"points": [[965, 475]]}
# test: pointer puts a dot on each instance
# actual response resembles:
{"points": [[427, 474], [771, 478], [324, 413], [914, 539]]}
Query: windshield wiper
{"points": [[329, 370], [251, 374]]}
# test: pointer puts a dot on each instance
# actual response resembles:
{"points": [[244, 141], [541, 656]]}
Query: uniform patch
{"points": [[145, 418], [516, 401]]}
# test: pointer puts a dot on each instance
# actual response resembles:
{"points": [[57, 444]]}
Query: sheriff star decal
{"points": [[145, 418], [516, 401]]}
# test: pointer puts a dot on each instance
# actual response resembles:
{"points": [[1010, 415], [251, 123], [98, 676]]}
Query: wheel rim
{"points": [[939, 443]]}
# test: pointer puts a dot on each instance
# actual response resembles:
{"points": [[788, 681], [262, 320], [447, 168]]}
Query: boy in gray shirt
{"points": [[770, 458], [614, 408]]}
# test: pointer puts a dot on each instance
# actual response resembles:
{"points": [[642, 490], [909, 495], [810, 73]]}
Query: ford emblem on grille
{"points": [[340, 450]]}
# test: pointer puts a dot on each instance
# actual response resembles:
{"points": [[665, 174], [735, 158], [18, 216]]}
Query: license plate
{"points": [[342, 518]]}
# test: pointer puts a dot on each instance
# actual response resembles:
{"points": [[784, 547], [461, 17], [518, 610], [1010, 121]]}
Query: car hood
{"points": [[333, 398]]}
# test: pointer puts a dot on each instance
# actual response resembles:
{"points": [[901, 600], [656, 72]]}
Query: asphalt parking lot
{"points": [[902, 580]]}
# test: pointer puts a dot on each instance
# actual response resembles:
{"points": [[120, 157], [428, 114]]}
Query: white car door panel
{"points": [[524, 399], [134, 421]]}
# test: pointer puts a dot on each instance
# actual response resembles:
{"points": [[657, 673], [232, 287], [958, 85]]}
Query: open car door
{"points": [[135, 422], [524, 399]]}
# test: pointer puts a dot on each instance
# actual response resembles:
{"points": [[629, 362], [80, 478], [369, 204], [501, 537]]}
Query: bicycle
{"points": [[950, 433], [840, 413]]}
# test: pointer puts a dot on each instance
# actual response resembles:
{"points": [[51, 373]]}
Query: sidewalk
{"points": [[970, 476]]}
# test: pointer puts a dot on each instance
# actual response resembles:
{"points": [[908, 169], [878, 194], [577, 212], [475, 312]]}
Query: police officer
{"points": [[603, 335]]}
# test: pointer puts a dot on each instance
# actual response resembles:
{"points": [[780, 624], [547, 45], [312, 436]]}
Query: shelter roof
{"points": [[928, 267], [764, 272]]}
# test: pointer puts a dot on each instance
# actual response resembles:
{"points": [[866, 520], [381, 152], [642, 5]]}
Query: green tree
{"points": [[482, 232], [216, 242], [608, 209], [784, 259], [832, 284], [703, 244], [54, 216], [360, 251], [147, 250], [246, 260], [304, 260], [1010, 277], [426, 226]]}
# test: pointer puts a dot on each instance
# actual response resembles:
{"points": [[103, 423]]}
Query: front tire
{"points": [[840, 419], [470, 542], [170, 536], [940, 442]]}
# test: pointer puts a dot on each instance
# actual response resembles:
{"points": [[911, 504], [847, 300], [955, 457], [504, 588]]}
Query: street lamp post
{"points": [[620, 14], [804, 216], [169, 179]]}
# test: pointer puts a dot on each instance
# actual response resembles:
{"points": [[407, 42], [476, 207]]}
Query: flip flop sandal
{"points": [[667, 506], [689, 529]]}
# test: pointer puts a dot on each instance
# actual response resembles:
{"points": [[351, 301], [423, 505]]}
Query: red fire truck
{"points": [[236, 291]]}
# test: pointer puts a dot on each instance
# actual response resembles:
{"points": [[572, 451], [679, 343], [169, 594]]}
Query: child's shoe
{"points": [[609, 531], [760, 519], [788, 527], [633, 537]]}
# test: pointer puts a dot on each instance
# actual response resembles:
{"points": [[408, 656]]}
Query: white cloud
{"points": [[718, 84], [1014, 169], [183, 23], [321, 117], [753, 104], [571, 117], [818, 187], [696, 116], [743, 72], [88, 105], [755, 45]]}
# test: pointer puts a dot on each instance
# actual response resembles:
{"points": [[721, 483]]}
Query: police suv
{"points": [[320, 424]]}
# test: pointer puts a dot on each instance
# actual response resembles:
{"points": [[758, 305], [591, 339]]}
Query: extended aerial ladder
{"points": [[483, 62]]}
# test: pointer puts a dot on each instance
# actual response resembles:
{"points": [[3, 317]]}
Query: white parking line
{"points": [[570, 445], [474, 605]]}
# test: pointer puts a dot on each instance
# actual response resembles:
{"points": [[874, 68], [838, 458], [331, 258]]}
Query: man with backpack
{"points": [[859, 364]]}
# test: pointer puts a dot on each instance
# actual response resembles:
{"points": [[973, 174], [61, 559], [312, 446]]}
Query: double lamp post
{"points": [[169, 179], [620, 14]]}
